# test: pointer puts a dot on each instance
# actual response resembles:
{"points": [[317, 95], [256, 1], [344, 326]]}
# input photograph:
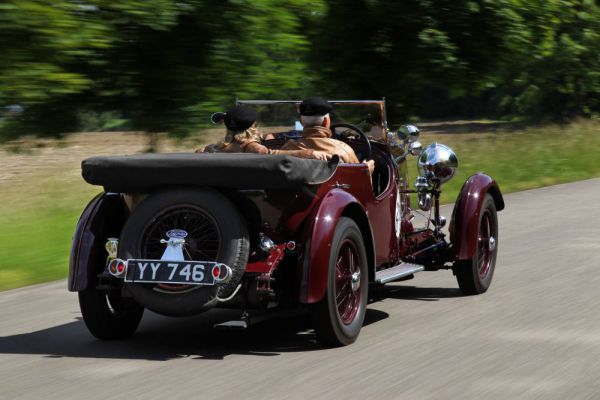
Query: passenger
{"points": [[316, 135], [243, 136]]}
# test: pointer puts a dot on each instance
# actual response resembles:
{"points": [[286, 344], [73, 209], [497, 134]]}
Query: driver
{"points": [[242, 136], [314, 116]]}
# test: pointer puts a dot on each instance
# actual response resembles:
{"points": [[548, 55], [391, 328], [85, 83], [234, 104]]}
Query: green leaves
{"points": [[554, 49], [165, 65]]}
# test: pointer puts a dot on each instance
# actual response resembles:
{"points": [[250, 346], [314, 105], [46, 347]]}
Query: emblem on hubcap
{"points": [[176, 234]]}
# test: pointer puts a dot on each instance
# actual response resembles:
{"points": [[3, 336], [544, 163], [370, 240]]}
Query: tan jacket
{"points": [[241, 144], [319, 138]]}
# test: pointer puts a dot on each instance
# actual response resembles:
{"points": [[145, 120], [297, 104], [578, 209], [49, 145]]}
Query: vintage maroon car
{"points": [[181, 233]]}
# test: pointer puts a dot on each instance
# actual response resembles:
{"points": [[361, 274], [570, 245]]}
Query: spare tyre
{"points": [[215, 232]]}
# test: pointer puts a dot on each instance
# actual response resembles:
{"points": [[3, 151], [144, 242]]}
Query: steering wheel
{"points": [[342, 130]]}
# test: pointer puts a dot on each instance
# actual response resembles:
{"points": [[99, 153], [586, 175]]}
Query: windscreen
{"points": [[279, 118]]}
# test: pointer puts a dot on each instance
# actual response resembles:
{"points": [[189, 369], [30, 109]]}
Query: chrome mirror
{"points": [[217, 117], [415, 148], [409, 133]]}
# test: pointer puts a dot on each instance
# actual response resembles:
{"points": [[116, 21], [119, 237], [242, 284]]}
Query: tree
{"points": [[552, 61], [412, 52], [165, 65], [535, 59]]}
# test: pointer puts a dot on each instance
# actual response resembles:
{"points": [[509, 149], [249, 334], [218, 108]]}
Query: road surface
{"points": [[534, 335]]}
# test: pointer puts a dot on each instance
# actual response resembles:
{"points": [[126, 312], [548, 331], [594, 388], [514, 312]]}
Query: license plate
{"points": [[175, 272]]}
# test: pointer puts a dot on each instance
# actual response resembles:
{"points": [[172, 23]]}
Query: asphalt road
{"points": [[534, 335]]}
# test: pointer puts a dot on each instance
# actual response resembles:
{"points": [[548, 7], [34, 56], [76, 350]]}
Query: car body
{"points": [[301, 233]]}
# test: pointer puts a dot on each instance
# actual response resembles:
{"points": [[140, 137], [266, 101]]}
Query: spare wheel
{"points": [[215, 232]]}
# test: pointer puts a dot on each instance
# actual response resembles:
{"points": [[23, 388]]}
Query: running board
{"points": [[235, 325], [397, 272]]}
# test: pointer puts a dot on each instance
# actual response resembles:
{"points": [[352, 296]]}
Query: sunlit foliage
{"points": [[163, 65]]}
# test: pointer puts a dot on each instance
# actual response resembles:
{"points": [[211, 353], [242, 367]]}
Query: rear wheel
{"points": [[339, 316], [109, 316], [474, 276]]}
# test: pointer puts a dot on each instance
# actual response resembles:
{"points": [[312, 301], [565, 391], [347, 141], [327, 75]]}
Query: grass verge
{"points": [[524, 159]]}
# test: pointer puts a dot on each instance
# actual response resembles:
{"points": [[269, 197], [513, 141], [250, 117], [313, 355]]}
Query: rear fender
{"points": [[103, 217], [465, 216], [318, 236]]}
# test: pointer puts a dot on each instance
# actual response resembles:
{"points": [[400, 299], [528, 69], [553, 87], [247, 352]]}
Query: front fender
{"points": [[318, 237], [465, 216], [103, 217]]}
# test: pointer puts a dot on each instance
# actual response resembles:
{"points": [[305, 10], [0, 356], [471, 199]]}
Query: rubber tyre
{"points": [[329, 326], [233, 248], [467, 272], [109, 317]]}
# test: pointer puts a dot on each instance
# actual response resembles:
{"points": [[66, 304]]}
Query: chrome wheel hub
{"points": [[492, 243], [355, 281]]}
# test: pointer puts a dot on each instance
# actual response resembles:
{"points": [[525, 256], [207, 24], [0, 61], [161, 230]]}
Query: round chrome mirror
{"points": [[409, 133], [438, 161], [217, 117], [415, 148]]}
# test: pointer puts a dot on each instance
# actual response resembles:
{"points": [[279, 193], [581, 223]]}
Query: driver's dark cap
{"points": [[315, 106], [240, 118]]}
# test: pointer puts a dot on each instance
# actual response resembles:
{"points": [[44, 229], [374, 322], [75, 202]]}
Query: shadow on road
{"points": [[161, 338], [391, 291]]}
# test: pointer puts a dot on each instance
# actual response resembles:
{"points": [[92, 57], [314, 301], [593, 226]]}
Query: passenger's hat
{"points": [[315, 106], [238, 118]]}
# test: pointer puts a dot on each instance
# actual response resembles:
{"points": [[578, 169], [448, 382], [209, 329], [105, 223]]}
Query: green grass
{"points": [[35, 241], [38, 218]]}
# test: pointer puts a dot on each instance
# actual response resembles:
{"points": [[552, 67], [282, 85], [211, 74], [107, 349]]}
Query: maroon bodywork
{"points": [[465, 217], [103, 217], [302, 224], [310, 217]]}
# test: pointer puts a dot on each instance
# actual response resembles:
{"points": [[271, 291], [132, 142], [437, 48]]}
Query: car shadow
{"points": [[391, 291], [161, 338]]}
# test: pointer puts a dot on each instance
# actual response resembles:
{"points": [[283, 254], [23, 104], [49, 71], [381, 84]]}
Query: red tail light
{"points": [[117, 267]]}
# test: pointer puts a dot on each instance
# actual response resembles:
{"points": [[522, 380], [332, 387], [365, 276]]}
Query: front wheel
{"points": [[474, 276], [338, 317]]}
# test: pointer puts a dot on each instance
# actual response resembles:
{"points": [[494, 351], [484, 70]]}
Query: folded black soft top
{"points": [[145, 172]]}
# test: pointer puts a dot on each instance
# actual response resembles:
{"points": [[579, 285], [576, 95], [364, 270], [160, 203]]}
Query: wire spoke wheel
{"points": [[202, 242], [486, 245], [339, 316], [474, 275], [347, 298]]}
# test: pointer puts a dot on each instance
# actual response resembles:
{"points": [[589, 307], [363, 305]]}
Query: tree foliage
{"points": [[551, 66], [164, 65]]}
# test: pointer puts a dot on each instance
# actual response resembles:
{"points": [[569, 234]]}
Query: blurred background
{"points": [[513, 86]]}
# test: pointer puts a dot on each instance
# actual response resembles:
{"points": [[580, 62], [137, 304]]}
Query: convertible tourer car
{"points": [[181, 233]]}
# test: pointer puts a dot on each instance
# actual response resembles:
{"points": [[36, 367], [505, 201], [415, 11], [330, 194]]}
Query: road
{"points": [[534, 335]]}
